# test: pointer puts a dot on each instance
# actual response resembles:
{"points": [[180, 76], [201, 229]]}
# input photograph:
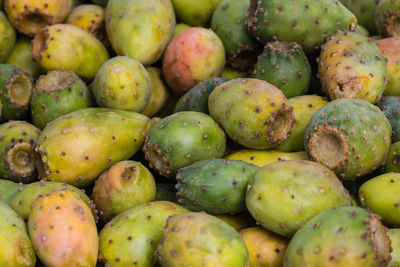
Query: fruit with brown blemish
{"points": [[283, 196], [352, 66], [387, 18], [199, 239], [264, 157], [390, 105], [182, 139], [63, 230], [390, 50], [193, 56], [195, 13], [364, 11], [350, 136], [131, 238], [252, 112], [343, 236], [284, 65], [393, 162], [8, 37], [394, 235]]}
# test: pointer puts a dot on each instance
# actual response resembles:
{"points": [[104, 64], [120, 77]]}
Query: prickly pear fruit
{"points": [[16, 88], [164, 192], [393, 162], [304, 108], [132, 236], [69, 145], [21, 57], [284, 65], [361, 30], [261, 158], [390, 50], [123, 83], [216, 186], [394, 235], [196, 99], [349, 136], [50, 44], [195, 13], [167, 150], [390, 105], [159, 93], [140, 29], [298, 21], [211, 242], [195, 55], [31, 16], [364, 11], [352, 66], [63, 230], [18, 159], [8, 189], [300, 190], [125, 185], [266, 249], [345, 236], [230, 73], [253, 113], [8, 37], [387, 18], [238, 221], [228, 23], [57, 93], [16, 249], [180, 27]]}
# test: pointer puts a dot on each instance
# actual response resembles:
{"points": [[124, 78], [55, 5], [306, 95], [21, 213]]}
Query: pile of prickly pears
{"points": [[189, 133]]}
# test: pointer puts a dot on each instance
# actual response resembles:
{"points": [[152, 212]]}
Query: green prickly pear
{"points": [[180, 27], [164, 192], [390, 50], [8, 189], [8, 37], [230, 73], [364, 11], [238, 221], [387, 18], [195, 13], [393, 162], [390, 105], [394, 235], [264, 157]]}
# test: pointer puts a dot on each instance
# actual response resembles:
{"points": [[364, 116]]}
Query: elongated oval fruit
{"points": [[8, 37], [390, 50]]}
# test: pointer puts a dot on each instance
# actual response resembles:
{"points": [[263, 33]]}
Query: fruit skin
{"points": [[31, 16], [264, 157], [304, 108], [352, 66], [392, 163], [252, 112], [140, 29], [301, 21], [57, 93], [390, 105], [193, 56], [216, 186], [389, 48], [133, 235], [364, 11], [16, 88], [283, 196], [284, 65], [180, 27], [165, 192], [380, 196], [8, 189], [119, 134], [228, 23], [123, 83], [195, 13], [266, 249], [63, 230], [196, 99], [125, 185], [345, 236], [17, 156], [238, 221], [50, 43], [394, 235], [8, 37], [349, 136], [167, 150], [230, 73], [387, 16], [19, 251], [211, 242]]}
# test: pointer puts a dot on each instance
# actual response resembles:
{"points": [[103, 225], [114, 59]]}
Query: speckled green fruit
{"points": [[8, 37], [365, 12], [8, 189], [159, 93], [387, 18], [394, 235], [393, 162], [390, 105], [264, 157], [195, 13]]}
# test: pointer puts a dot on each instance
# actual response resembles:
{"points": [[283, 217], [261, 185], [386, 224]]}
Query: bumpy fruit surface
{"points": [[390, 105], [352, 66], [30, 16], [182, 139], [390, 50], [57, 93], [387, 17], [216, 186], [302, 21], [63, 230], [50, 44], [264, 157], [304, 108], [284, 65], [393, 162], [349, 136], [140, 29], [125, 185], [195, 55], [17, 156], [283, 196], [16, 249], [253, 113], [211, 242], [8, 37], [364, 11], [195, 13], [69, 146], [345, 236], [132, 236], [394, 235]]}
